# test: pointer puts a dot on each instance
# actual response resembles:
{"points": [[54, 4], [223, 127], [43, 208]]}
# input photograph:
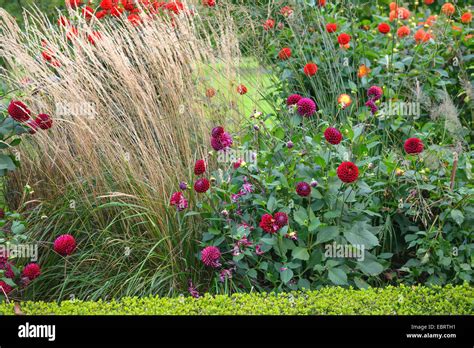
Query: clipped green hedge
{"points": [[332, 300]]}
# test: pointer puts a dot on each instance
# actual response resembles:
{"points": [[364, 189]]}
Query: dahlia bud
{"points": [[256, 127], [213, 179], [225, 213], [371, 165], [399, 172], [289, 144], [314, 183], [183, 186]]}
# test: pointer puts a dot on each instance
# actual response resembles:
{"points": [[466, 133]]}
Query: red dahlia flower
{"points": [[384, 28], [285, 53], [87, 12], [269, 24], [31, 271], [448, 9], [65, 245], [306, 107], [281, 219], [331, 27], [7, 267], [210, 256], [303, 189], [333, 135], [293, 99], [177, 200], [375, 92], [44, 121], [286, 11], [201, 185], [210, 92], [199, 167], [347, 172], [266, 223], [220, 140], [413, 146], [73, 3], [19, 111], [310, 69], [217, 132], [108, 4], [344, 38], [5, 288], [101, 14]]}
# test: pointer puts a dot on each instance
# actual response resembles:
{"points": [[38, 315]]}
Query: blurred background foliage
{"points": [[15, 7]]}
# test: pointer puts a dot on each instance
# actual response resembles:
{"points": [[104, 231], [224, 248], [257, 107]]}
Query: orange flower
{"points": [[456, 28], [363, 71], [468, 37], [403, 31], [393, 6], [210, 92], [344, 100], [429, 2], [448, 9], [466, 18], [431, 20], [310, 69], [422, 36]]}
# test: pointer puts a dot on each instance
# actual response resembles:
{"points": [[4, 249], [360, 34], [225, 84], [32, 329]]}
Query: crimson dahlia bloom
{"points": [[375, 93], [7, 267], [331, 27], [177, 200], [19, 111], [344, 39], [65, 245], [347, 172], [303, 189], [31, 271], [384, 28], [267, 223], [220, 140], [413, 146], [44, 121], [333, 135], [210, 256], [285, 53], [108, 4], [310, 69], [202, 185], [281, 219], [306, 107], [293, 99], [5, 288], [199, 167]]}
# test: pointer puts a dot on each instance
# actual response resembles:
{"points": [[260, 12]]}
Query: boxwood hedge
{"points": [[402, 300]]}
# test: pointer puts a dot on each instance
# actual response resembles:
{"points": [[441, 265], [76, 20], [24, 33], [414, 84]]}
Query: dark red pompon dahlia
{"points": [[199, 167], [347, 172], [202, 185], [31, 271], [413, 146], [65, 245], [19, 111], [293, 99], [281, 219], [44, 121], [333, 135], [303, 189]]}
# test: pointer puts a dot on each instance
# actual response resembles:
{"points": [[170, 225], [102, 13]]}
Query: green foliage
{"points": [[16, 7], [403, 300]]}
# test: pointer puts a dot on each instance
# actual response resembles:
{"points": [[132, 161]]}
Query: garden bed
{"points": [[403, 300]]}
